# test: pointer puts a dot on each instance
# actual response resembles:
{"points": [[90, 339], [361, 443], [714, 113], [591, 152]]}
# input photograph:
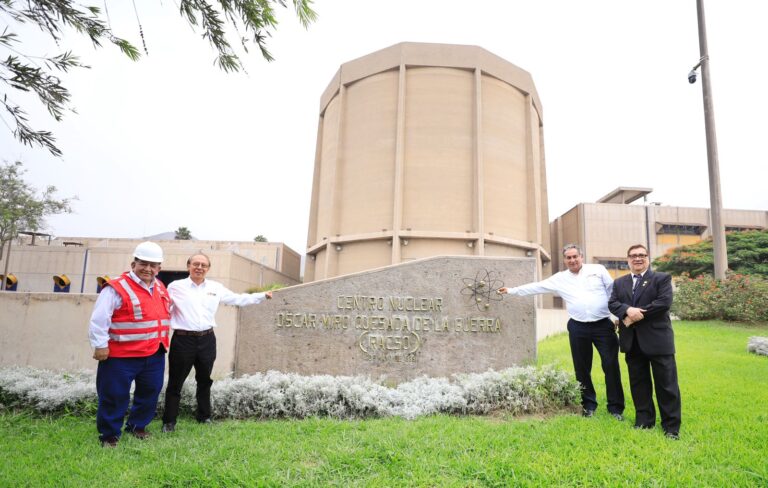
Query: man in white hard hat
{"points": [[195, 301], [129, 333]]}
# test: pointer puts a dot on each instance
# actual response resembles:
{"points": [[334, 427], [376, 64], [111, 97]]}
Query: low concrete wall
{"points": [[50, 331], [550, 322], [46, 330]]}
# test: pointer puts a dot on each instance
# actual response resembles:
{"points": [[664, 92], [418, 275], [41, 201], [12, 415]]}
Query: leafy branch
{"points": [[27, 73]]}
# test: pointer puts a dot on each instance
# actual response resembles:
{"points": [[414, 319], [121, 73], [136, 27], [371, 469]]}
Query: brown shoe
{"points": [[140, 434], [110, 442]]}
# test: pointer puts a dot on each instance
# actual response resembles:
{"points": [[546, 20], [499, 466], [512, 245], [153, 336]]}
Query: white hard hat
{"points": [[149, 251]]}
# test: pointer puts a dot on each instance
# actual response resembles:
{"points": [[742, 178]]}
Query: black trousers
{"points": [[186, 352], [647, 372], [582, 335]]}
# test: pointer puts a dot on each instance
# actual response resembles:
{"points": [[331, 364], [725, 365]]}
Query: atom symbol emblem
{"points": [[482, 290]]}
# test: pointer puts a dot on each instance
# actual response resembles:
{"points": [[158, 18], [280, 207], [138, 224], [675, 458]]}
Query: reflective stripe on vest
{"points": [[139, 325], [134, 300], [141, 336]]}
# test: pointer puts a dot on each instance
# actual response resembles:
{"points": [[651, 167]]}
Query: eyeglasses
{"points": [[200, 265], [638, 256]]}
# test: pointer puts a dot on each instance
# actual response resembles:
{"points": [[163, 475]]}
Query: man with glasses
{"points": [[641, 301], [585, 289], [129, 333], [195, 301]]}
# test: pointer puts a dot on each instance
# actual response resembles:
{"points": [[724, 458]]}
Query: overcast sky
{"points": [[172, 141]]}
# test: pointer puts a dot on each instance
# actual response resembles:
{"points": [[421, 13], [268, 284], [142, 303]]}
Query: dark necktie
{"points": [[636, 286]]}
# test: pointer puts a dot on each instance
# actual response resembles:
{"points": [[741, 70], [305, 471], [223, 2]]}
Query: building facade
{"points": [[609, 226], [83, 263], [426, 150]]}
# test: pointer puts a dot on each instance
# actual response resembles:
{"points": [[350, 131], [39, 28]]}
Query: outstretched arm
{"points": [[228, 297]]}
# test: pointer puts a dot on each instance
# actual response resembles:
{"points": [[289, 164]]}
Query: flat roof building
{"points": [[605, 229], [86, 261]]}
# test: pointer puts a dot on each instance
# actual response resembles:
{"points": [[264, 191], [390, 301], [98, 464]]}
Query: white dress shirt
{"points": [[106, 304], [193, 307], [585, 293]]}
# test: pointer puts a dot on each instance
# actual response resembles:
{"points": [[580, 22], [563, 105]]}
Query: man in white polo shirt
{"points": [[194, 304], [586, 289]]}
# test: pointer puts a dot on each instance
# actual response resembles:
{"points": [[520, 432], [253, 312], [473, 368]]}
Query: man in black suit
{"points": [[641, 301]]}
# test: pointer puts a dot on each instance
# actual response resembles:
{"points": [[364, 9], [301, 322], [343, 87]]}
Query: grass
{"points": [[724, 440]]}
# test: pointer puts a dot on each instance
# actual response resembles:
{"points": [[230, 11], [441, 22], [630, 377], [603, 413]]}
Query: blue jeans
{"points": [[113, 385]]}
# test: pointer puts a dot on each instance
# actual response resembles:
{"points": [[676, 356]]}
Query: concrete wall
{"points": [[550, 322], [50, 331]]}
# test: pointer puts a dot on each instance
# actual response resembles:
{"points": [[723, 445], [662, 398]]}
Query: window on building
{"points": [[619, 264], [681, 229], [735, 228]]}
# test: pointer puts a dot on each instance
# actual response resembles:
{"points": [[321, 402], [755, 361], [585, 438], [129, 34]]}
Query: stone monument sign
{"points": [[436, 317]]}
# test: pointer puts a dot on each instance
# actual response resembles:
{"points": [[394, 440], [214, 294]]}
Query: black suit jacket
{"points": [[654, 333]]}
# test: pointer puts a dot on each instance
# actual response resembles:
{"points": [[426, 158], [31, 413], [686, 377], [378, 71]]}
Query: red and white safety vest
{"points": [[143, 321]]}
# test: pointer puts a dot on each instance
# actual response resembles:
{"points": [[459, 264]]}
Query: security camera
{"points": [[692, 76]]}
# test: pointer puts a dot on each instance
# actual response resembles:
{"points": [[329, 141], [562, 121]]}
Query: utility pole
{"points": [[715, 197]]}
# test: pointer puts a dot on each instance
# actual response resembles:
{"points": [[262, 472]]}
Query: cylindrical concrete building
{"points": [[425, 150]]}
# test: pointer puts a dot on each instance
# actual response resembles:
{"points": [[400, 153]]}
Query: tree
{"points": [[23, 72], [260, 238], [183, 234], [747, 254], [21, 209]]}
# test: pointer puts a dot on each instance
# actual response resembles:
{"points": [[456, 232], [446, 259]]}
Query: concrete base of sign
{"points": [[435, 317]]}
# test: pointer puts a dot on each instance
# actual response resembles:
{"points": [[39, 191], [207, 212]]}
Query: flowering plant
{"points": [[740, 298]]}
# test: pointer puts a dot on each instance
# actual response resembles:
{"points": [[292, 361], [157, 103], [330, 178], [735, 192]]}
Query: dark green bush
{"points": [[747, 254]]}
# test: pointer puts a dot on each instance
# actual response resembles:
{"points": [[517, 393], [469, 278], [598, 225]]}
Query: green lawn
{"points": [[724, 440]]}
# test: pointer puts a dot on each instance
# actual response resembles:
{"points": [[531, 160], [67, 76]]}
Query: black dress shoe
{"points": [[587, 413], [168, 427], [110, 442], [642, 426], [618, 416], [672, 435]]}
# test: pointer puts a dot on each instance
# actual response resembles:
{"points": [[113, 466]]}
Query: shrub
{"points": [[758, 345], [738, 298], [518, 390], [47, 392], [265, 288], [747, 254]]}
